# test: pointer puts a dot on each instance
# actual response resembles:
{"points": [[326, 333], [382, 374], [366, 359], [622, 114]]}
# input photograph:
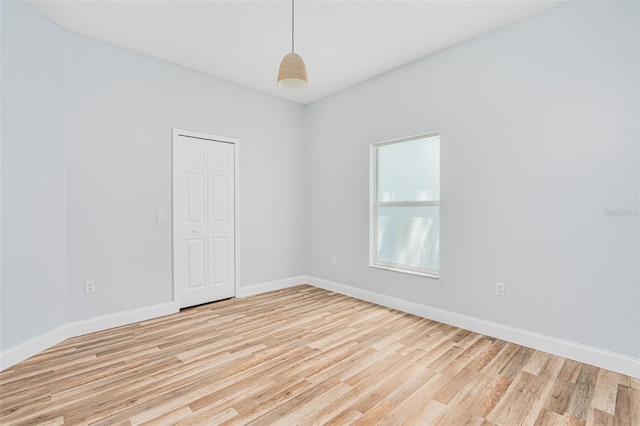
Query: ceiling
{"points": [[342, 42]]}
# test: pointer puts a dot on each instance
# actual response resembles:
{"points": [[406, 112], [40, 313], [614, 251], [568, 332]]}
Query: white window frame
{"points": [[373, 210]]}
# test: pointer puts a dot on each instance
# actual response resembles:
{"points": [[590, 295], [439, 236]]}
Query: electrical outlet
{"points": [[500, 287], [89, 286], [333, 259]]}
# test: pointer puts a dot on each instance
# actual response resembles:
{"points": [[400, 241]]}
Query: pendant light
{"points": [[292, 74]]}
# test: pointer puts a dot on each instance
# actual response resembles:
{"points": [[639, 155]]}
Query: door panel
{"points": [[195, 156], [196, 264], [220, 260], [195, 197], [219, 199]]}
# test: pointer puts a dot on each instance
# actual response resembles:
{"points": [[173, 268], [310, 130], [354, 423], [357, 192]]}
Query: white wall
{"points": [[86, 162], [122, 107], [540, 134], [33, 256]]}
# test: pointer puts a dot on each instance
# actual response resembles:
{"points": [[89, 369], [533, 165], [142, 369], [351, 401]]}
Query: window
{"points": [[405, 205]]}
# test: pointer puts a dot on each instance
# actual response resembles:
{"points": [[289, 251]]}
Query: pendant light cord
{"points": [[292, 23]]}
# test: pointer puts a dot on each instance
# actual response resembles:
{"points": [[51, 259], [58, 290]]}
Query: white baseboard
{"points": [[598, 357], [271, 285], [33, 346], [578, 352], [91, 325], [38, 344], [44, 341]]}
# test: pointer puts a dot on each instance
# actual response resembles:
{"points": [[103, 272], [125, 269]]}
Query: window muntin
{"points": [[405, 212]]}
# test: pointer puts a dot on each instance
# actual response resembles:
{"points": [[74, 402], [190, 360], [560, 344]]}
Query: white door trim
{"points": [[236, 142]]}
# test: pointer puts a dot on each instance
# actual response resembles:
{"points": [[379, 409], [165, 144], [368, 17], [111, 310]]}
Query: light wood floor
{"points": [[307, 356]]}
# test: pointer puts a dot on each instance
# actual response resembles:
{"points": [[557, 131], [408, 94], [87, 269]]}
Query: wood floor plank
{"points": [[627, 410], [570, 370], [347, 417], [393, 377], [425, 414], [517, 361], [250, 409], [306, 356], [386, 409], [558, 399], [490, 396], [415, 401], [460, 409], [475, 352], [501, 359], [549, 418], [165, 418], [599, 418], [536, 362], [606, 389], [319, 408], [582, 394], [525, 397], [293, 404]]}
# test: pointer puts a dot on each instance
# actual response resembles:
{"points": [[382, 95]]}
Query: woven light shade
{"points": [[292, 73]]}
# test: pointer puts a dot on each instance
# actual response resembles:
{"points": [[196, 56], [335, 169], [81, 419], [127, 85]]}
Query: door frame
{"points": [[236, 150]]}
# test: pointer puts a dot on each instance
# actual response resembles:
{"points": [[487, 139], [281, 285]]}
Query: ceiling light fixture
{"points": [[292, 74]]}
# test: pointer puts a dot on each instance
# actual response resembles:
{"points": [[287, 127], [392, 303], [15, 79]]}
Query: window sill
{"points": [[432, 275]]}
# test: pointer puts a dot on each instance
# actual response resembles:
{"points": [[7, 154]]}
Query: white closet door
{"points": [[204, 226]]}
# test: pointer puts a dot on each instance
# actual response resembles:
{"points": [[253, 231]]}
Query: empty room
{"points": [[320, 212]]}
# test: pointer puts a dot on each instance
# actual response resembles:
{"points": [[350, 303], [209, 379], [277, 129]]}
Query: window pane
{"points": [[409, 236], [409, 171]]}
